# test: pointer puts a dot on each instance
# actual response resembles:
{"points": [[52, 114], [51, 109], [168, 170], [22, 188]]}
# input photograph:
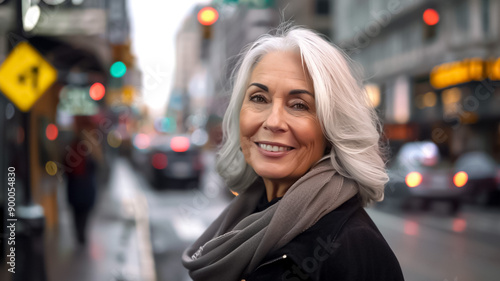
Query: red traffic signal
{"points": [[97, 91], [431, 17], [208, 16]]}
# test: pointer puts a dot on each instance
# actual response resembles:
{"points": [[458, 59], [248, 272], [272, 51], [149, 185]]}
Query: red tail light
{"points": [[459, 225], [159, 161], [179, 144], [460, 179]]}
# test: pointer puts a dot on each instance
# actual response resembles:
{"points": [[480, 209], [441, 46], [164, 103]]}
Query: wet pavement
{"points": [[436, 246], [118, 246]]}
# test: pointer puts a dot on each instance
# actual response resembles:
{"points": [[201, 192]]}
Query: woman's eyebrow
{"points": [[300, 91], [292, 92], [263, 87]]}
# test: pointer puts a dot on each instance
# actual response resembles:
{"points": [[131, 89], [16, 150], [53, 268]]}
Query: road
{"points": [[435, 246], [430, 246], [179, 216]]}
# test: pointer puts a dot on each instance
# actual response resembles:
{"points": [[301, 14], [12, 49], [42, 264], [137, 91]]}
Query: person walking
{"points": [[82, 163]]}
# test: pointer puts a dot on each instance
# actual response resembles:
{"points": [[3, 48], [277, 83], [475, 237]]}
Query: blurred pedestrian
{"points": [[301, 147], [81, 161]]}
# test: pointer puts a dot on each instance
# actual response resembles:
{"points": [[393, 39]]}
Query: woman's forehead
{"points": [[281, 65]]}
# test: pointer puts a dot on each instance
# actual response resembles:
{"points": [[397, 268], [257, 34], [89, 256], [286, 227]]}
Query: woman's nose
{"points": [[275, 121]]}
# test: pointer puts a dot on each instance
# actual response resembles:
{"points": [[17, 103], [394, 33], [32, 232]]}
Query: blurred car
{"points": [[168, 161], [418, 174], [483, 175]]}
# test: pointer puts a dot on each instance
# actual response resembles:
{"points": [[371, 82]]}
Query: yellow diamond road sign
{"points": [[25, 75]]}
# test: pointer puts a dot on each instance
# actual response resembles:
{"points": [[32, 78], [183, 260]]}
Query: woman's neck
{"points": [[276, 189]]}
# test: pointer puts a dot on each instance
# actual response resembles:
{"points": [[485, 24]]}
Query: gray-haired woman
{"points": [[301, 148]]}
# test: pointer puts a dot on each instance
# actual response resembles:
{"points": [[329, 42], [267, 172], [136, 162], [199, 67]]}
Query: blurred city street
{"points": [[119, 247], [178, 217], [125, 245]]}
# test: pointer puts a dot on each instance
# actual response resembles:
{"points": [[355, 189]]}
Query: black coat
{"points": [[344, 245], [82, 182]]}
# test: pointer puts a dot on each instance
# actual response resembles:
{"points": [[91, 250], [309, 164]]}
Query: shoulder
{"points": [[344, 244], [362, 253]]}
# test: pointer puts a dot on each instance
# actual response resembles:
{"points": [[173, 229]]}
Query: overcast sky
{"points": [[154, 24]]}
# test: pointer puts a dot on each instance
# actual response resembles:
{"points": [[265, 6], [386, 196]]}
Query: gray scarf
{"points": [[239, 239]]}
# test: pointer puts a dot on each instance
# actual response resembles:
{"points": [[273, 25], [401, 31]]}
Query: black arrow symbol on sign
{"points": [[33, 72]]}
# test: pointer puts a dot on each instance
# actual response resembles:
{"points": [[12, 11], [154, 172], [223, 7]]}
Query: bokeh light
{"points": [[431, 17], [51, 132], [460, 179], [141, 141], [114, 139], [413, 179], [9, 111], [459, 225], [373, 92], [411, 228], [199, 137], [118, 69], [429, 99], [179, 144], [208, 16], [159, 161], [51, 168], [97, 91]]}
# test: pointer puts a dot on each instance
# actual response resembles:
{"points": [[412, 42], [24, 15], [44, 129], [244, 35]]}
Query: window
{"points": [[462, 15], [485, 16]]}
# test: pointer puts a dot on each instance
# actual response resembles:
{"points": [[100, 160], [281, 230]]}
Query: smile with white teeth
{"points": [[274, 148]]}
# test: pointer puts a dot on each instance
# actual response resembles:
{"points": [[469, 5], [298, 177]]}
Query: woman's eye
{"points": [[300, 106], [258, 99]]}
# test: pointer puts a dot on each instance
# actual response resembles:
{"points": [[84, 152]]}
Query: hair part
{"points": [[349, 122]]}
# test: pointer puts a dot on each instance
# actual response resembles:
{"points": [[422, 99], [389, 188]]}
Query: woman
{"points": [[301, 148]]}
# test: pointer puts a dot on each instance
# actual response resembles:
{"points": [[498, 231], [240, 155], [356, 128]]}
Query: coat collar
{"points": [[323, 234]]}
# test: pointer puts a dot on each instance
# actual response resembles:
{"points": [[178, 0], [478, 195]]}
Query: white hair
{"points": [[349, 122]]}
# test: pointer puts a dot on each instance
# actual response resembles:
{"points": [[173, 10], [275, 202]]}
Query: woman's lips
{"points": [[284, 150]]}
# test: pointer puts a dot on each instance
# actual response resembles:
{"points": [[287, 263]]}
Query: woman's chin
{"points": [[271, 173]]}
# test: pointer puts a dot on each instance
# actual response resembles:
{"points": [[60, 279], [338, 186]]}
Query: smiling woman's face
{"points": [[280, 134]]}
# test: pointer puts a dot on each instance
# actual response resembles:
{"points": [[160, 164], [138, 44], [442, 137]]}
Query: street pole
{"points": [[30, 225]]}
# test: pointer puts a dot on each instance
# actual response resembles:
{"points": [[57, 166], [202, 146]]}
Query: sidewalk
{"points": [[118, 247]]}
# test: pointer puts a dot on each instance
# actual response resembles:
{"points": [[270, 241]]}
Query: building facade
{"points": [[79, 39], [435, 65]]}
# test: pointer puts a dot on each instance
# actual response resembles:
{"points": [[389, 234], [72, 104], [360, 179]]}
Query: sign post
{"points": [[24, 76]]}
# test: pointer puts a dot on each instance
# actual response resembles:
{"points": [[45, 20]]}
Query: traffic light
{"points": [[118, 69], [430, 18], [207, 16], [97, 91]]}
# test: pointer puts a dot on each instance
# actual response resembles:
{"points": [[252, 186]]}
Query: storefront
{"points": [[458, 106]]}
